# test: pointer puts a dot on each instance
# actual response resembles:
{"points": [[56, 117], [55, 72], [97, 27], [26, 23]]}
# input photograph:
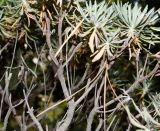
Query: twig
{"points": [[99, 125], [72, 33], [4, 47], [30, 112], [139, 80]]}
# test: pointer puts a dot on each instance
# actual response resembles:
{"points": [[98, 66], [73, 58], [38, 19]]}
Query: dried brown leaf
{"points": [[99, 54], [91, 40]]}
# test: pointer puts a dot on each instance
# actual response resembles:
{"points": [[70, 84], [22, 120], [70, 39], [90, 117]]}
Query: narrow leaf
{"points": [[108, 50], [99, 55], [91, 41]]}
